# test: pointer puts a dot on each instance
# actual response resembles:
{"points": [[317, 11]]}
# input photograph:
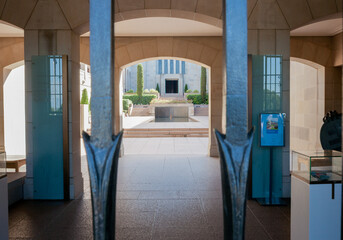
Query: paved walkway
{"points": [[166, 146], [160, 197]]}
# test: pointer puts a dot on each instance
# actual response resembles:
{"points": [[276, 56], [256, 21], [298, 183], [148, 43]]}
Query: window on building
{"points": [[55, 84], [165, 67], [159, 67], [171, 67], [177, 70], [183, 67], [272, 83]]}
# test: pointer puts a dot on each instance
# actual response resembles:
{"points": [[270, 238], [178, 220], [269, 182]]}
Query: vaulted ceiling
{"points": [[74, 14]]}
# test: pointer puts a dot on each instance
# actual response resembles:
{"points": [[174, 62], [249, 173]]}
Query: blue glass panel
{"points": [[165, 67], [266, 98], [177, 67], [159, 67], [183, 67], [47, 127], [171, 66]]}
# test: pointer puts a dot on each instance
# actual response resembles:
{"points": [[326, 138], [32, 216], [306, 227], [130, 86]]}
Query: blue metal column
{"points": [[102, 146], [235, 146]]}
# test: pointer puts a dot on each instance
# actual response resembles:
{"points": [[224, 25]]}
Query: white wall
{"points": [[14, 112]]}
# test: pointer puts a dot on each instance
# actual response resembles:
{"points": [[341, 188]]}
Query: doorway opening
{"points": [[171, 115], [172, 86]]}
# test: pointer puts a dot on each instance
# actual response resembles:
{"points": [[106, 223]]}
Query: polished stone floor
{"points": [[159, 197]]}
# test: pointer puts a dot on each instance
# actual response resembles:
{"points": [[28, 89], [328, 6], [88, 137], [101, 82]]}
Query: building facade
{"points": [[171, 75]]}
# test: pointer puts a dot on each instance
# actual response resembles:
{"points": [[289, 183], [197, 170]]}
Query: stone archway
{"points": [[12, 51], [201, 50]]}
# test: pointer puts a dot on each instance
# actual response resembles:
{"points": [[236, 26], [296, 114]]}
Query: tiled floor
{"points": [[166, 146], [160, 196]]}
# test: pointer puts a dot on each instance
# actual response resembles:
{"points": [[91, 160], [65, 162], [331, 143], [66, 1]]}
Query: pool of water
{"points": [[180, 119]]}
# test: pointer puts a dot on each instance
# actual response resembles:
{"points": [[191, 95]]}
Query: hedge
{"points": [[126, 104], [197, 99], [144, 100]]}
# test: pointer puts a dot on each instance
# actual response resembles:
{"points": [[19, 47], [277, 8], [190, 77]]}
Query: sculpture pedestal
{"points": [[3, 208], [315, 210]]}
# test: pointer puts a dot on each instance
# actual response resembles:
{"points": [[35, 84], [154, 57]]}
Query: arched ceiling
{"points": [[163, 26], [67, 14], [324, 27]]}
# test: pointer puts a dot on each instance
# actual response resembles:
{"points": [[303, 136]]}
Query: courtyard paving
{"points": [[161, 196]]}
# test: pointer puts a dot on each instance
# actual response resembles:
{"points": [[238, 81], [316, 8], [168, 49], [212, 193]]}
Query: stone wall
{"points": [[151, 76], [307, 106]]}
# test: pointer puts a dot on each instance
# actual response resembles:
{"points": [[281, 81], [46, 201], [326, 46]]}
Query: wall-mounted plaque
{"points": [[272, 130]]}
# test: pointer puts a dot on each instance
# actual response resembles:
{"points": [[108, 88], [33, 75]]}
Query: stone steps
{"points": [[165, 132]]}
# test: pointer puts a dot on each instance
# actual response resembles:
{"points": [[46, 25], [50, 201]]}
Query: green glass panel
{"points": [[47, 122]]}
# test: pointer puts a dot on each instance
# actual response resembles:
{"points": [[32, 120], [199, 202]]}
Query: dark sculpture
{"points": [[331, 131], [235, 146], [234, 165], [103, 169], [102, 146]]}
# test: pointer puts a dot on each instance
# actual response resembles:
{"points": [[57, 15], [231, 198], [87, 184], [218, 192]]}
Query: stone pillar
{"points": [[118, 107], [55, 42], [216, 105], [2, 128], [117, 96]]}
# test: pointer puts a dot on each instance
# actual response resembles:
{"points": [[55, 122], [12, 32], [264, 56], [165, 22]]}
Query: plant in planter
{"points": [[140, 80], [203, 82], [84, 98], [158, 88], [186, 88], [127, 106]]}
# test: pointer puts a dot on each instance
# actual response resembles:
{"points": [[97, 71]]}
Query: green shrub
{"points": [[153, 91], [126, 104], [84, 98], [186, 88], [130, 91], [203, 82], [157, 87], [189, 91], [143, 100], [140, 80], [146, 91], [197, 99], [195, 91]]}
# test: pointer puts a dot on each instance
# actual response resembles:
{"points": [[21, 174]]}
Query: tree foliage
{"points": [[84, 98], [140, 80], [203, 82], [186, 88]]}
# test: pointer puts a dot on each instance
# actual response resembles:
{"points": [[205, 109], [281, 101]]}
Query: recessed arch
{"points": [[307, 104]]}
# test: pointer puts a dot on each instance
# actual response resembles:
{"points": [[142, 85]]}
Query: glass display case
{"points": [[2, 164], [317, 167]]}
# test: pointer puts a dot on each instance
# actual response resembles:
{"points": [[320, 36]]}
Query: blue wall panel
{"points": [[266, 99], [47, 121]]}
